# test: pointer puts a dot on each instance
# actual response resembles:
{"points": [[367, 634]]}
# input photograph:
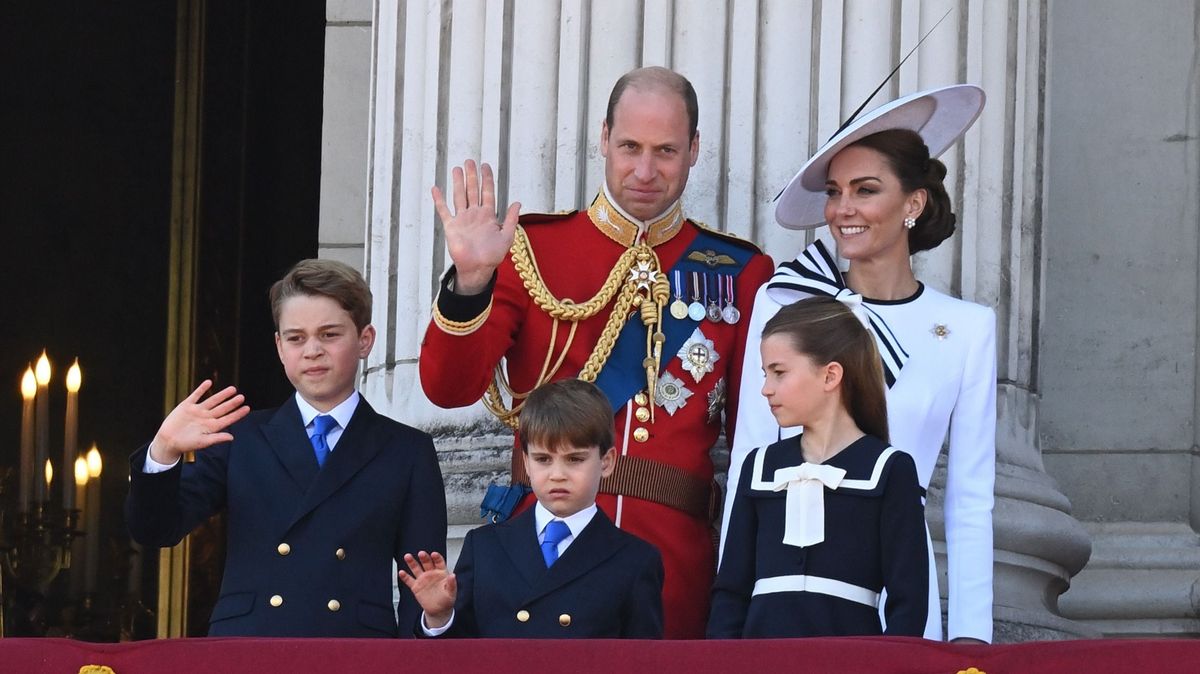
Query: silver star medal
{"points": [[716, 400], [643, 275], [671, 394], [940, 331], [698, 355]]}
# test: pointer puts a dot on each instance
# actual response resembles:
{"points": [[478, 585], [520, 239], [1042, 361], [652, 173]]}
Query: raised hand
{"points": [[195, 424], [434, 587], [476, 239]]}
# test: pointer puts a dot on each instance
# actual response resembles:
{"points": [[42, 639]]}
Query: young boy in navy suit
{"points": [[322, 493], [560, 569]]}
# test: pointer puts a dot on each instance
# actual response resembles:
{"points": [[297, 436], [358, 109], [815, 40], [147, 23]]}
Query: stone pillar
{"points": [[1118, 350]]}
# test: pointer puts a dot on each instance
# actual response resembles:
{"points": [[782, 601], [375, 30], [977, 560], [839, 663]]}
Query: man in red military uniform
{"points": [[629, 294]]}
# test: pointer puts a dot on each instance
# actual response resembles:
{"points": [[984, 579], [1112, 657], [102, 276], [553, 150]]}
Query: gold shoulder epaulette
{"points": [[733, 238]]}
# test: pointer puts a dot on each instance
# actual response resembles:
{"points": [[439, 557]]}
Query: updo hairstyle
{"points": [[908, 157]]}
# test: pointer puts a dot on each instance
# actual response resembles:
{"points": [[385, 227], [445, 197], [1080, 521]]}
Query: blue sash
{"points": [[623, 376]]}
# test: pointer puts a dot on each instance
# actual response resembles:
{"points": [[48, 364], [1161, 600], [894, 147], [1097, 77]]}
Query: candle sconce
{"points": [[35, 546], [49, 525]]}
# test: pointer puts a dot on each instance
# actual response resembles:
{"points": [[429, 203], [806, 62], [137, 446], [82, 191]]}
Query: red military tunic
{"points": [[574, 254]]}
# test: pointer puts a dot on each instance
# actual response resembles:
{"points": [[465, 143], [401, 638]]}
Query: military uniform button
{"points": [[340, 554], [276, 600], [640, 399], [641, 434], [334, 605], [642, 414], [565, 620], [284, 548], [523, 616]]}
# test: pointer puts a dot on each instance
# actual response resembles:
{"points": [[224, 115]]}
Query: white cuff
{"points": [[151, 466], [436, 631]]}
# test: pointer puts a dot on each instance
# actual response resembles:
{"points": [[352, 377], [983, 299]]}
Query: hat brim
{"points": [[941, 116]]}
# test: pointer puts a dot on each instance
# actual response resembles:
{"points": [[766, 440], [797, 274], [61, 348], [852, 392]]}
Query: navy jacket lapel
{"points": [[518, 537], [594, 545], [286, 437], [354, 449]]}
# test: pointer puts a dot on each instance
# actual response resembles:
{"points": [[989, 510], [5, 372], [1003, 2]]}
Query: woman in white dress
{"points": [[879, 187]]}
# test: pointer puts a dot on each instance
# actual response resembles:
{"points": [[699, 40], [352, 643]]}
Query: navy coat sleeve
{"points": [[643, 618], [905, 560], [162, 508], [423, 522], [735, 578]]}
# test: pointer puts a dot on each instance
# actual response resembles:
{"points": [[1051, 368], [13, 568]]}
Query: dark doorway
{"points": [[85, 208]]}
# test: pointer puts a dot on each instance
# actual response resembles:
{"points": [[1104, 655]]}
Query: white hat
{"points": [[940, 115]]}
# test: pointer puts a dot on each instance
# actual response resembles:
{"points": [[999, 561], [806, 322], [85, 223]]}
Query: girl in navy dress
{"points": [[823, 522]]}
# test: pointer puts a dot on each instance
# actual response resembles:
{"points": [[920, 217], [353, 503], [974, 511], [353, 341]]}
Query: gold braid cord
{"points": [[637, 270]]}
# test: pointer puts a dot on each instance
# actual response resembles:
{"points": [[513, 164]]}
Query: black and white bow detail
{"points": [[815, 272]]}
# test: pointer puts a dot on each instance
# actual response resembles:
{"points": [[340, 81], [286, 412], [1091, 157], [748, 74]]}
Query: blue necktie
{"points": [[322, 424], [556, 531]]}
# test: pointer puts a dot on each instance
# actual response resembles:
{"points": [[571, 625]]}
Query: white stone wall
{"points": [[523, 84], [1119, 375], [344, 130]]}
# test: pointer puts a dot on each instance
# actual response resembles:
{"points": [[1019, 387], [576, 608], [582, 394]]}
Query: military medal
{"points": [[716, 400], [730, 313], [695, 309], [679, 308], [714, 307], [643, 275], [698, 355], [671, 394]]}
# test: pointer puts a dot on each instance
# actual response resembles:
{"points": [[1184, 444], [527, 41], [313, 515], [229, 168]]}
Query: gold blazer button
{"points": [[523, 616], [565, 620], [334, 605], [641, 434], [276, 601], [284, 549], [340, 553]]}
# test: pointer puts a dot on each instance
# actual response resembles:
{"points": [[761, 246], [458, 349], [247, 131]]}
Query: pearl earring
{"points": [[909, 223]]}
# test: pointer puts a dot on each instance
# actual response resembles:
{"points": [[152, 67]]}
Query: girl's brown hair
{"points": [[826, 331]]}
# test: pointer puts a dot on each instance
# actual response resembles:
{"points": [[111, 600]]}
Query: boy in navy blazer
{"points": [[321, 494], [560, 569]]}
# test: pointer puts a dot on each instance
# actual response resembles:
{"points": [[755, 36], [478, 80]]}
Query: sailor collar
{"points": [[626, 230], [861, 471], [805, 484]]}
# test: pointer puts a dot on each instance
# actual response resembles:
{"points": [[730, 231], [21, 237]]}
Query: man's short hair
{"points": [[569, 412], [325, 278], [653, 78]]}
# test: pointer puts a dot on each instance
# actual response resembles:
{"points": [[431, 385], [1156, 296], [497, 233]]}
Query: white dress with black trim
{"points": [[873, 538], [945, 390]]}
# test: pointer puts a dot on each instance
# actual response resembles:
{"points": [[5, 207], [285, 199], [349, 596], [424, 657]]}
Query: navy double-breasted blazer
{"points": [[608, 583], [309, 550]]}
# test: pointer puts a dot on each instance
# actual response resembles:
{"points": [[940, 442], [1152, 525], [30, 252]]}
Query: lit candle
{"points": [[28, 393], [77, 544], [92, 562], [71, 432], [49, 475], [42, 447]]}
